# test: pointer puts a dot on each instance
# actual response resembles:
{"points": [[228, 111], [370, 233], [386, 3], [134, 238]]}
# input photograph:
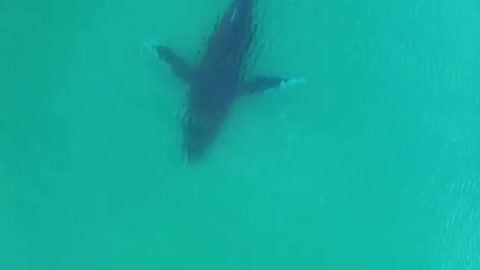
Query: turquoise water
{"points": [[373, 164]]}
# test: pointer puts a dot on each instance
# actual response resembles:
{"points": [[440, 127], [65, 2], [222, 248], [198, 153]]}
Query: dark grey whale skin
{"points": [[218, 80]]}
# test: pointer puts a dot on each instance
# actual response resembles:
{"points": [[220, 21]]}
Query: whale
{"points": [[219, 79]]}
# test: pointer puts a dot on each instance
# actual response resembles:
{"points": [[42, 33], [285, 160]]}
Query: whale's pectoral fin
{"points": [[263, 83], [179, 65]]}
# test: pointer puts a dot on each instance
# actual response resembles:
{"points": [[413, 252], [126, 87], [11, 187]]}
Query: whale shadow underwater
{"points": [[219, 79]]}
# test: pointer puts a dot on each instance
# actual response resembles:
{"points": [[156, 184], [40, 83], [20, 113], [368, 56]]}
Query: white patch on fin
{"points": [[150, 45], [293, 81], [234, 15]]}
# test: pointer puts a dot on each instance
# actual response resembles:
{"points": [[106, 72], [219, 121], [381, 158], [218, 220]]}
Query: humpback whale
{"points": [[219, 78]]}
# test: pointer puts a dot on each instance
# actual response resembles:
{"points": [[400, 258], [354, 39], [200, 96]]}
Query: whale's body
{"points": [[219, 79]]}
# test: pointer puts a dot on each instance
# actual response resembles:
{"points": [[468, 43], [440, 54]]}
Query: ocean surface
{"points": [[373, 164]]}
